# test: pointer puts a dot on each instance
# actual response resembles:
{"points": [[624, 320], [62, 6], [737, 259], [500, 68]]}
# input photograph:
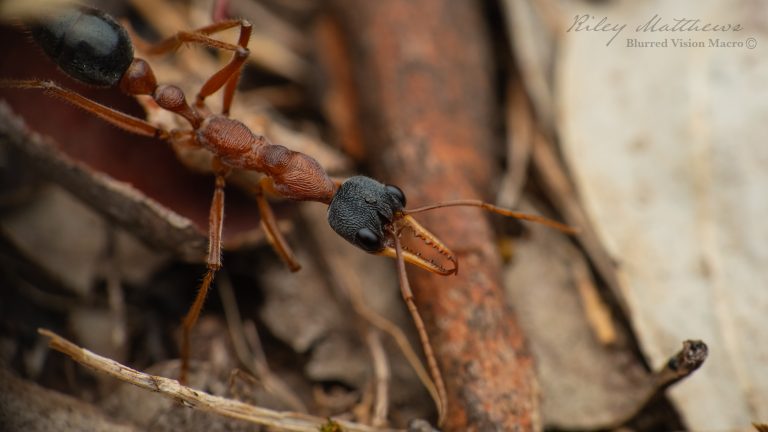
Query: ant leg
{"points": [[123, 121], [213, 264], [199, 35], [269, 225], [230, 73], [438, 392]]}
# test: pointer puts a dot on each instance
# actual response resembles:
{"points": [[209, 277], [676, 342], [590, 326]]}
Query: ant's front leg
{"points": [[212, 262]]}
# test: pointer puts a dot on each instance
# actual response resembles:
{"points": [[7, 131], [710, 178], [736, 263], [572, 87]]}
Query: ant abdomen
{"points": [[87, 44]]}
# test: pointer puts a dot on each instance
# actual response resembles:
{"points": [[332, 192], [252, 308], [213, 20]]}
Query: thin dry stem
{"points": [[196, 399], [382, 376]]}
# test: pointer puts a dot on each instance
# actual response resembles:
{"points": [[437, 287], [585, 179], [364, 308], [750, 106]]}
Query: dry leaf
{"points": [[667, 146]]}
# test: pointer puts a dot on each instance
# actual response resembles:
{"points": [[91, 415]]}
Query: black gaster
{"points": [[361, 204], [87, 44]]}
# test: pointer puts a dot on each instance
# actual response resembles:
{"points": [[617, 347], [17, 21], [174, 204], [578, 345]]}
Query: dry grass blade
{"points": [[280, 420], [382, 374]]}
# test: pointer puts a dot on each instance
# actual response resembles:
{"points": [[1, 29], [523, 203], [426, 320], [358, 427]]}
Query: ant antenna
{"points": [[499, 210], [437, 387]]}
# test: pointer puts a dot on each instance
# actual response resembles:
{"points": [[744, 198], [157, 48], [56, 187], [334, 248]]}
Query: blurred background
{"points": [[633, 121]]}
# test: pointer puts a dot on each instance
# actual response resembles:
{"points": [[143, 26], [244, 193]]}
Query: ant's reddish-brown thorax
{"points": [[231, 141], [294, 175]]}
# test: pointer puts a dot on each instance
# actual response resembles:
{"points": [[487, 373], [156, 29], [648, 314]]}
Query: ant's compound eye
{"points": [[397, 192], [368, 240]]}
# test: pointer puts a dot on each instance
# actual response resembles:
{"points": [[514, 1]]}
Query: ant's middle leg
{"points": [[213, 264], [269, 225]]}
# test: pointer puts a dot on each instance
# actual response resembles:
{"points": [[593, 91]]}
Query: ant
{"points": [[92, 47]]}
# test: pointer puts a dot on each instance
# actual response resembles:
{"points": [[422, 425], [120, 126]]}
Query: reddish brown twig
{"points": [[423, 76]]}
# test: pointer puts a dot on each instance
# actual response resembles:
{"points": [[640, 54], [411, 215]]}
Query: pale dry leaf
{"points": [[667, 145], [298, 308]]}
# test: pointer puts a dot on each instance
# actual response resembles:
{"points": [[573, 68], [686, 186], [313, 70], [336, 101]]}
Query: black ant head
{"points": [[362, 210], [369, 214]]}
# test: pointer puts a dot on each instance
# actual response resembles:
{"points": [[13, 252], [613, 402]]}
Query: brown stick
{"points": [[423, 76]]}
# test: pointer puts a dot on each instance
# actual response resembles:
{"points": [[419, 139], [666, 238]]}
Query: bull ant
{"points": [[91, 47]]}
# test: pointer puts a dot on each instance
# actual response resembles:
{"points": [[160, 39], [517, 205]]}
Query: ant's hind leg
{"points": [[123, 121], [213, 264], [269, 224]]}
